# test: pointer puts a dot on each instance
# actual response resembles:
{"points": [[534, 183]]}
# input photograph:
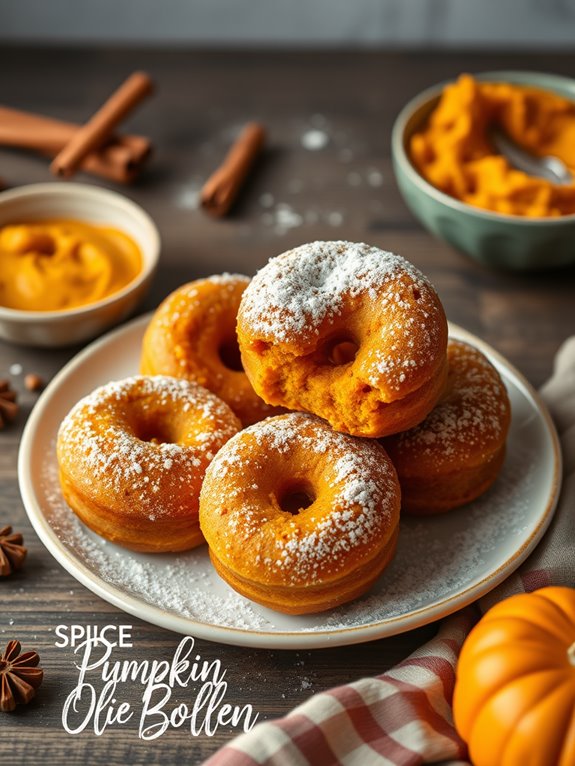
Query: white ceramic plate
{"points": [[442, 563]]}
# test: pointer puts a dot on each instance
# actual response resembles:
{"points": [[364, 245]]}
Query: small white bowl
{"points": [[93, 204]]}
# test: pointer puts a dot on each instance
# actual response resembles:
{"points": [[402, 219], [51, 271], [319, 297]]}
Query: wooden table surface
{"points": [[344, 190]]}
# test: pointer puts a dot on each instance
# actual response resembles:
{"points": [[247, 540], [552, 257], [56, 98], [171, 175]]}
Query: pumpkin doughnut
{"points": [[192, 335], [313, 526], [132, 458], [348, 332], [456, 453]]}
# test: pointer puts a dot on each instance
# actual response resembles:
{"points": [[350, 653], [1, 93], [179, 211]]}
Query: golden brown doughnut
{"points": [[298, 517], [132, 458], [456, 453], [348, 332], [192, 335]]}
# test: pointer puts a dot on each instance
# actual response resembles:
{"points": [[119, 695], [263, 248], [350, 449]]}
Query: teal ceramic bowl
{"points": [[501, 241]]}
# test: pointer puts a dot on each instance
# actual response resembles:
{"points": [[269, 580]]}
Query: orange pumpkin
{"points": [[514, 699]]}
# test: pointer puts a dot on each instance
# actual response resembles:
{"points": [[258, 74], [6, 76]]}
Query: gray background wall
{"points": [[445, 23]]}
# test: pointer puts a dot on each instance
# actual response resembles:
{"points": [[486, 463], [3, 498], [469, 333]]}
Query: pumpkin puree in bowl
{"points": [[454, 153], [56, 265]]}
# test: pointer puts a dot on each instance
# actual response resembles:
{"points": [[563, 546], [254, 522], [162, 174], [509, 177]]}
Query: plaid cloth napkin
{"points": [[403, 717]]}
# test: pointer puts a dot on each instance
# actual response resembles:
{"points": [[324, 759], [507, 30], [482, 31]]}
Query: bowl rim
{"points": [[400, 154], [98, 193]]}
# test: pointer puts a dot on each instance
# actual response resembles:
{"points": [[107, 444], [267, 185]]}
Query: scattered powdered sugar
{"points": [[372, 177], [314, 139], [375, 177], [183, 583], [282, 217], [335, 218], [187, 195]]}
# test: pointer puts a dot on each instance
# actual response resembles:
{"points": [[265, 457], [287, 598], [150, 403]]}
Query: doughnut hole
{"points": [[156, 431], [229, 352], [295, 496], [157, 424], [338, 349]]}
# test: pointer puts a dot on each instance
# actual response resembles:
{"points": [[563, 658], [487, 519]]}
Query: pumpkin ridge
{"points": [[540, 653], [546, 652], [510, 728], [542, 634], [568, 747], [552, 630], [566, 619], [533, 710], [493, 691], [556, 595]]}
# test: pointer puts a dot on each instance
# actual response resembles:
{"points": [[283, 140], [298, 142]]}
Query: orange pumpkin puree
{"points": [[454, 153], [56, 265]]}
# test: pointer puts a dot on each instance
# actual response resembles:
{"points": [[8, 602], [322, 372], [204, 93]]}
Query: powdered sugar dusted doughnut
{"points": [[192, 335], [132, 458], [298, 517], [349, 332], [456, 453]]}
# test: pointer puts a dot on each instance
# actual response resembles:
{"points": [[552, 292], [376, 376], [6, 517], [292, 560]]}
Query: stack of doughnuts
{"points": [[285, 421]]}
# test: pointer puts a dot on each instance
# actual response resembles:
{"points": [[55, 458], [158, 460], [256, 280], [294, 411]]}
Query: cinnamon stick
{"points": [[46, 134], [99, 128], [119, 160], [221, 189]]}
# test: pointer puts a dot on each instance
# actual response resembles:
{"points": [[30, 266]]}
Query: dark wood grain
{"points": [[202, 99]]}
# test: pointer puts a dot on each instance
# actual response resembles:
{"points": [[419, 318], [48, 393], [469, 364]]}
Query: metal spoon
{"points": [[549, 167]]}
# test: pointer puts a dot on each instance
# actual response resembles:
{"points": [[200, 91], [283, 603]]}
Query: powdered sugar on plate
{"points": [[436, 558], [441, 563]]}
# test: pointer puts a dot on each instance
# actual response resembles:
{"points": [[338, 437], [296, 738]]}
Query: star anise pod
{"points": [[19, 676], [8, 406], [12, 551]]}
